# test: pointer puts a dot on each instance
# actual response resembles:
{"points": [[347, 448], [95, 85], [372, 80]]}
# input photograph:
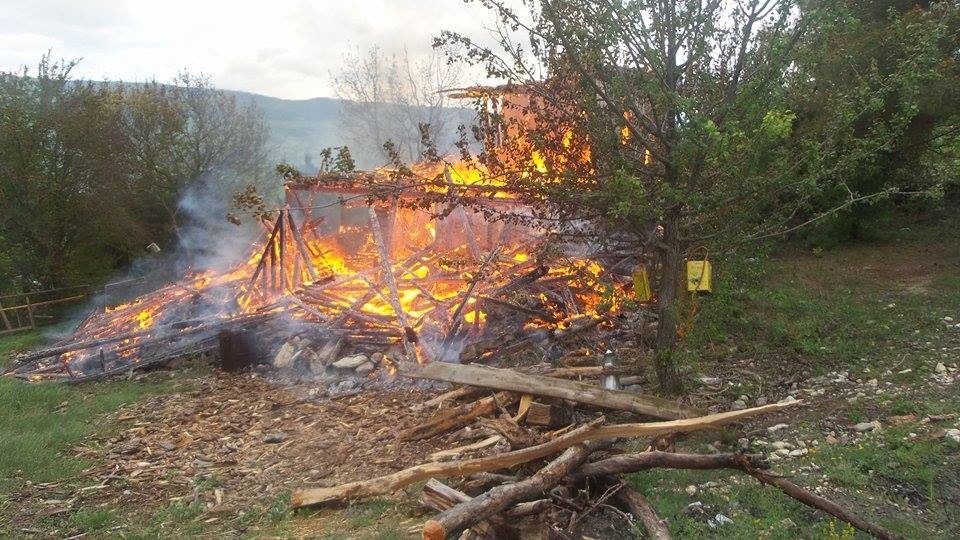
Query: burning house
{"points": [[438, 262]]}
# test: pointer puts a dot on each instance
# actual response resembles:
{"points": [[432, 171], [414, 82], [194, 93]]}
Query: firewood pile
{"points": [[548, 456]]}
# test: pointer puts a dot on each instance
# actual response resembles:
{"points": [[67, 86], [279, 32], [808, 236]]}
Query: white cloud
{"points": [[284, 48]]}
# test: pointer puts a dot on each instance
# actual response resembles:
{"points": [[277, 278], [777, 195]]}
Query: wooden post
{"points": [[283, 245], [33, 324], [388, 275], [302, 247], [3, 315]]}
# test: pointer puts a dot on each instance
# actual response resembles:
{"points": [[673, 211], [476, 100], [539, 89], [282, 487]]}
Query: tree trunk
{"points": [[669, 306]]}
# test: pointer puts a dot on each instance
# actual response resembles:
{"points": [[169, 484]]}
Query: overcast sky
{"points": [[282, 48]]}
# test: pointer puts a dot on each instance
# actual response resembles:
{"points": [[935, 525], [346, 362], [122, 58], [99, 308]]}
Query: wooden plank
{"points": [[591, 394]]}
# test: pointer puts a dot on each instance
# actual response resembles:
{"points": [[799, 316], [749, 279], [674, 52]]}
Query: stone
{"points": [[738, 405], [284, 357], [719, 520], [788, 523], [327, 353], [743, 443], [830, 439], [799, 452], [873, 383], [351, 362], [710, 381], [693, 509], [779, 445], [376, 358], [953, 435], [274, 438], [940, 368], [782, 452], [786, 400], [691, 490], [365, 367], [762, 400], [776, 428], [863, 427]]}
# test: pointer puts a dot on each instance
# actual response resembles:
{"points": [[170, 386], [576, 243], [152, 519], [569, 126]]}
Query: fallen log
{"points": [[820, 503], [593, 431], [751, 465], [498, 499], [640, 507], [457, 417], [505, 379], [439, 497], [628, 463]]}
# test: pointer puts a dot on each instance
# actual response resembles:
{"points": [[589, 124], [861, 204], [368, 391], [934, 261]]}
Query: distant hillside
{"points": [[300, 129]]}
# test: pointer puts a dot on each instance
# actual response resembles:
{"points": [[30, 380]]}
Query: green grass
{"points": [[40, 422], [15, 343], [862, 309]]}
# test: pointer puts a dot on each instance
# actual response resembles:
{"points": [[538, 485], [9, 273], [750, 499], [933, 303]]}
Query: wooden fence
{"points": [[22, 311]]}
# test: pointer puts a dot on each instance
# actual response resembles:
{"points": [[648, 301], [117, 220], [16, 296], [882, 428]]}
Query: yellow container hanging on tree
{"points": [[641, 284], [699, 275]]}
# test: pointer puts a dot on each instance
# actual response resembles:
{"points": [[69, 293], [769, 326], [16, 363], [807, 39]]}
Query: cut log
{"points": [[439, 497], [640, 507], [539, 414], [592, 431], [505, 379], [500, 498], [458, 417]]}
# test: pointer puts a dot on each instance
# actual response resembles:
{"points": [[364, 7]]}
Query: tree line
{"points": [[91, 173]]}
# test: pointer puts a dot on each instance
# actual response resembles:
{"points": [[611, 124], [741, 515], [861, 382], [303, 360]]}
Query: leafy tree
{"points": [[651, 118], [90, 173], [189, 135], [682, 125], [882, 79], [65, 206]]}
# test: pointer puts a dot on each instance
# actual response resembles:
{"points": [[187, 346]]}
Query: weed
{"points": [[89, 520]]}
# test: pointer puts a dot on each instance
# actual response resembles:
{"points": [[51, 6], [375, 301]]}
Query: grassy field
{"points": [[789, 324]]}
